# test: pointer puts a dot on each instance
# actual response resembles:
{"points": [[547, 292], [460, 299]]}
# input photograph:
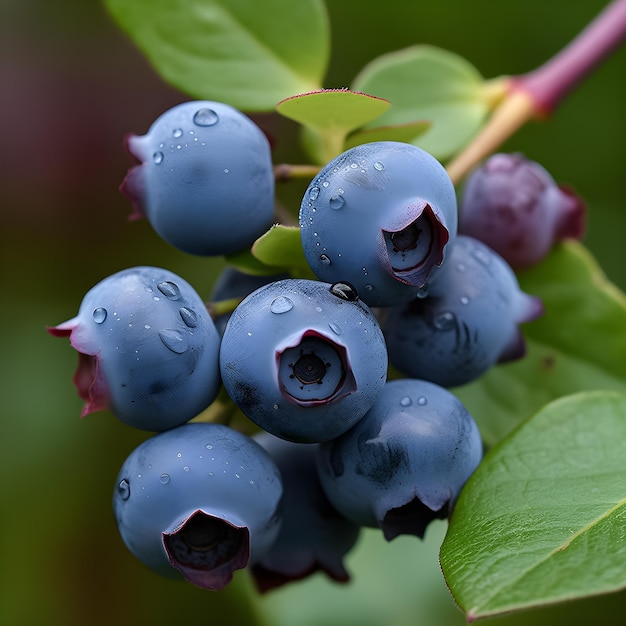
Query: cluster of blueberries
{"points": [[403, 286]]}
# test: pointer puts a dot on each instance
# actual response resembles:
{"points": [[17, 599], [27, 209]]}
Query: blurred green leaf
{"points": [[542, 519], [400, 132], [247, 54], [424, 82], [579, 344], [281, 247], [246, 262]]}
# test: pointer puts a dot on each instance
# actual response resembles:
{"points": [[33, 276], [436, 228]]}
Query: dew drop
{"points": [[205, 117], [209, 446], [281, 304], [186, 468], [169, 289], [336, 202], [148, 289], [325, 183], [368, 287], [178, 132], [157, 157], [123, 489], [422, 292], [189, 317], [335, 328], [164, 478], [445, 321], [406, 401], [174, 340], [99, 315], [464, 300], [275, 407], [353, 166], [379, 166], [324, 259], [314, 193], [422, 401], [345, 291]]}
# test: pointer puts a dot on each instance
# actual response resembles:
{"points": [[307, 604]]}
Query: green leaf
{"points": [[247, 54], [329, 115], [246, 262], [400, 132], [579, 344], [427, 83], [542, 519], [281, 247]]}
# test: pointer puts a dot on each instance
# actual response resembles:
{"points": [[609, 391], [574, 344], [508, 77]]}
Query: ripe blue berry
{"points": [[198, 501], [468, 321], [148, 349], [302, 359], [234, 284], [514, 206], [206, 179], [405, 462], [380, 216], [313, 535]]}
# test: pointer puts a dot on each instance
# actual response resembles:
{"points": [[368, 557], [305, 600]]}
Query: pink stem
{"points": [[551, 82]]}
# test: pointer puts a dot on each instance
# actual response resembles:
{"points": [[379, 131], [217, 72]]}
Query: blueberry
{"points": [[514, 206], [468, 321], [234, 284], [148, 349], [380, 216], [198, 501], [206, 179], [313, 535], [301, 360], [404, 464]]}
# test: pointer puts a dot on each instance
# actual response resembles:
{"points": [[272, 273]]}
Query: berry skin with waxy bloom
{"points": [[205, 180], [313, 535], [514, 206], [404, 464], [303, 359], [199, 501], [148, 349], [381, 216], [469, 321]]}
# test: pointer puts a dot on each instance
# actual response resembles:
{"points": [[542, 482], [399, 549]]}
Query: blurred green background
{"points": [[72, 87]]}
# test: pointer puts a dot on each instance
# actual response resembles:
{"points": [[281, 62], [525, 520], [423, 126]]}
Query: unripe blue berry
{"points": [[514, 206]]}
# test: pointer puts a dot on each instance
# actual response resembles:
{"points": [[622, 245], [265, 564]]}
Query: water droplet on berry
{"points": [[345, 291], [336, 202], [164, 478], [379, 166], [406, 401], [99, 315], [368, 287], [157, 157], [169, 290], [422, 292], [209, 446], [186, 468], [422, 401], [189, 317], [178, 132], [324, 259], [281, 304], [123, 489], [205, 117], [464, 300], [335, 328], [174, 340], [314, 193], [481, 256], [445, 321]]}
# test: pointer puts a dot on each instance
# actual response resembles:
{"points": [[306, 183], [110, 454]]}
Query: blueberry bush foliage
{"points": [[541, 522]]}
